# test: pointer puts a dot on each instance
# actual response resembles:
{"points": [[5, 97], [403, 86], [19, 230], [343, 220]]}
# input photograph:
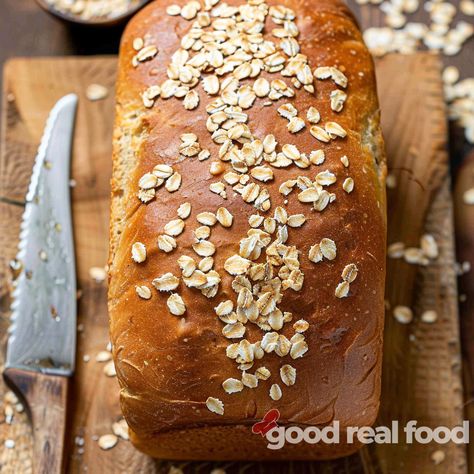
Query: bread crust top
{"points": [[169, 365]]}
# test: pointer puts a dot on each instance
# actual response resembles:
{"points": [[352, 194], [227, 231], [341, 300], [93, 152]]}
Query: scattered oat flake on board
{"points": [[414, 255], [107, 441], [120, 429], [9, 443], [403, 314], [450, 75], [467, 7], [468, 197], [438, 456], [10, 397], [98, 274], [429, 246], [96, 92], [430, 316], [9, 414], [103, 356], [396, 250], [391, 181], [175, 470], [109, 369]]}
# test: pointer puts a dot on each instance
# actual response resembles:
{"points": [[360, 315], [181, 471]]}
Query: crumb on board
{"points": [[98, 274], [107, 441], [95, 92], [438, 456]]}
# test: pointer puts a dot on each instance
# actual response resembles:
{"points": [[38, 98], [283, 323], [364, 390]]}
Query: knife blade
{"points": [[42, 341], [43, 327]]}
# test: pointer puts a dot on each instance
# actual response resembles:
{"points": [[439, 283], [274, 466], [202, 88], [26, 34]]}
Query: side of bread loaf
{"points": [[248, 224]]}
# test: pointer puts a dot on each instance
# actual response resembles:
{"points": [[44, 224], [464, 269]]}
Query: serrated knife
{"points": [[42, 337]]}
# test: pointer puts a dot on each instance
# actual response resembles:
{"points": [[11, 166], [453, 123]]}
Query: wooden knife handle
{"points": [[45, 397]]}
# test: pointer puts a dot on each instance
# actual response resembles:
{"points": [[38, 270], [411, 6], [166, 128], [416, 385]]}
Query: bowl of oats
{"points": [[93, 12]]}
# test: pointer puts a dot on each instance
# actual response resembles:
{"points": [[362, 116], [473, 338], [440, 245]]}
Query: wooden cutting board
{"points": [[421, 378]]}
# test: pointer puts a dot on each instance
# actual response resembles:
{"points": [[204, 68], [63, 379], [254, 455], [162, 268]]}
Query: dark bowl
{"points": [[116, 20]]}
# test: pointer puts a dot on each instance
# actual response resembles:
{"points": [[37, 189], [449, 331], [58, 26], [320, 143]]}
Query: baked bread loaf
{"points": [[248, 225]]}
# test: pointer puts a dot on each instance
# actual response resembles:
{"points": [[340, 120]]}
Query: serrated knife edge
{"points": [[12, 360]]}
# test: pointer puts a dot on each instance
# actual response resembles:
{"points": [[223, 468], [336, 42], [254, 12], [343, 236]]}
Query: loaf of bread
{"points": [[248, 227]]}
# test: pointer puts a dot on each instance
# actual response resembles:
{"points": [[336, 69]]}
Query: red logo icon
{"points": [[268, 423]]}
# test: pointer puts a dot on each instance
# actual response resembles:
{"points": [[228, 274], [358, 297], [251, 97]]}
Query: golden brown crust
{"points": [[167, 366]]}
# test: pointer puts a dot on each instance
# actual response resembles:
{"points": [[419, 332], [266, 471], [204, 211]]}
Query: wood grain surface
{"points": [[421, 378], [421, 372], [464, 220]]}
